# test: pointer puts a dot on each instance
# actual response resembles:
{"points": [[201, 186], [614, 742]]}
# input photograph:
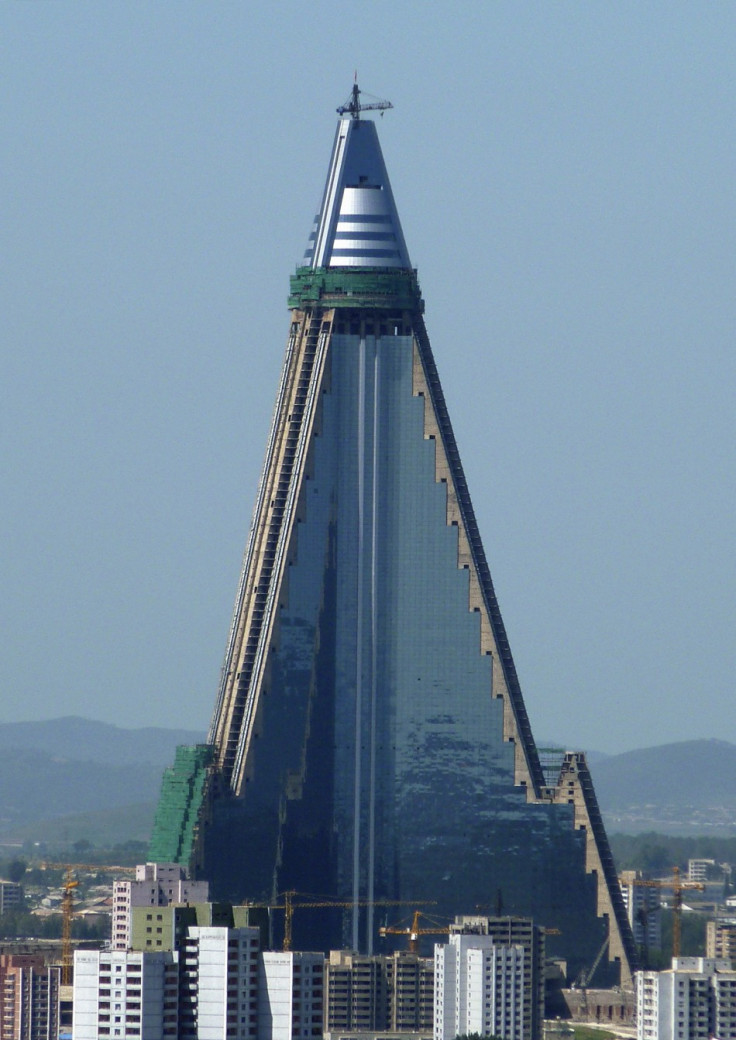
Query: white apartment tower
{"points": [[694, 1000], [216, 985], [291, 996], [219, 984], [125, 994], [480, 987], [156, 884]]}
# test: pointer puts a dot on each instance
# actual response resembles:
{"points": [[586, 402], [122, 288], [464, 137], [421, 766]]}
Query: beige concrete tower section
{"points": [[575, 787], [261, 591]]}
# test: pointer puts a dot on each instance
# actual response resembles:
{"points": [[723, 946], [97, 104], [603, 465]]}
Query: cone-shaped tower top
{"points": [[357, 224]]}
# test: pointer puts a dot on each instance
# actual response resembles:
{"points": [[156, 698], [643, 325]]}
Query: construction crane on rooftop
{"points": [[355, 106], [414, 931]]}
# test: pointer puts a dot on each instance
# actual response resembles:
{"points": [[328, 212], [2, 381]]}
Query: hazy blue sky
{"points": [[566, 178]]}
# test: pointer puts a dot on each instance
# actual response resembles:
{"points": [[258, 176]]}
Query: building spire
{"points": [[357, 225]]}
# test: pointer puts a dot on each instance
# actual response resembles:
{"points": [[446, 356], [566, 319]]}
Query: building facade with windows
{"points": [[378, 993], [700, 869], [290, 996], [125, 994], [213, 983], [489, 979], [11, 896], [643, 903], [156, 884], [29, 997], [694, 1000], [720, 940]]}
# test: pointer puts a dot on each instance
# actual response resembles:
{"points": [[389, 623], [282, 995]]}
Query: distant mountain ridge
{"points": [[68, 775], [85, 740], [683, 788], [696, 772], [63, 767]]}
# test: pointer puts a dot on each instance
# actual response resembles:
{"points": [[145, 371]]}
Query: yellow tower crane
{"points": [[678, 887], [290, 905], [413, 931], [67, 905]]}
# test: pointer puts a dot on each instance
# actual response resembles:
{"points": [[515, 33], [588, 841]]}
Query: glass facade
{"points": [[361, 756], [380, 770]]}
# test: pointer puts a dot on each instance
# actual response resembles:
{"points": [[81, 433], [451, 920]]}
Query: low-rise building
{"points": [[700, 869]]}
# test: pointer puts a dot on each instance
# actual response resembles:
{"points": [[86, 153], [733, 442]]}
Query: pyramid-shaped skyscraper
{"points": [[369, 743]]}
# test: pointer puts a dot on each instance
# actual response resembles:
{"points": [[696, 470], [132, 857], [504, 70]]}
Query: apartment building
{"points": [[11, 896], [156, 884], [378, 993], [125, 994], [694, 1000], [29, 997], [213, 984], [720, 940], [489, 979], [290, 996], [643, 903]]}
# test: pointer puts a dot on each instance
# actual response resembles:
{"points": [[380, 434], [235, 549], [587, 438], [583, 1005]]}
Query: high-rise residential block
{"points": [[378, 992], [694, 1000], [218, 987], [156, 884], [520, 1014], [29, 997], [290, 996], [486, 986], [209, 981], [125, 994]]}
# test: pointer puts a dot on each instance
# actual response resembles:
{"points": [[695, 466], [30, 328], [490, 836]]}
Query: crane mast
{"points": [[355, 106]]}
